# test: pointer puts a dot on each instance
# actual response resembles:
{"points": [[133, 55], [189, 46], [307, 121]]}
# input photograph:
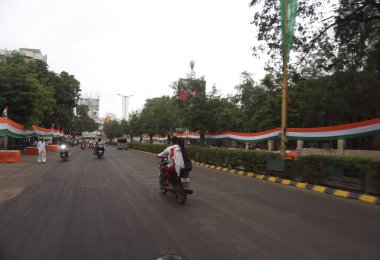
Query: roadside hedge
{"points": [[365, 172], [230, 158]]}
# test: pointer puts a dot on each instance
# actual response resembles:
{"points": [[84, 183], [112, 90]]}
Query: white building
{"points": [[33, 54], [30, 54], [93, 107]]}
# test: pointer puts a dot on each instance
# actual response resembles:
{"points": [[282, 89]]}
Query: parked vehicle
{"points": [[181, 183]]}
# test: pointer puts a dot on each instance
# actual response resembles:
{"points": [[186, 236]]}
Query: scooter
{"points": [[64, 152], [181, 183]]}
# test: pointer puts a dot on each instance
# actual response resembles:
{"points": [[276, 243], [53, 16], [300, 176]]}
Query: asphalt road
{"points": [[111, 208]]}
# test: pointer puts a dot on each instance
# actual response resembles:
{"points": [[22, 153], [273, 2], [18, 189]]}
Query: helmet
{"points": [[174, 140]]}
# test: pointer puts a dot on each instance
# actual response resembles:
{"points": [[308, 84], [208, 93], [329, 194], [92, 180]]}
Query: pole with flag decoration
{"points": [[288, 11], [5, 112]]}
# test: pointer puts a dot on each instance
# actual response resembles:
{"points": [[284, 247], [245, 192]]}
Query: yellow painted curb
{"points": [[241, 172], [272, 179], [207, 165], [225, 169], [218, 168], [212, 167], [260, 176], [341, 193], [320, 189], [250, 174], [301, 185], [368, 198], [285, 181], [232, 171]]}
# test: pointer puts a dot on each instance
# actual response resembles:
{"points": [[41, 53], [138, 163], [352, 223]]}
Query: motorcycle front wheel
{"points": [[162, 188]]}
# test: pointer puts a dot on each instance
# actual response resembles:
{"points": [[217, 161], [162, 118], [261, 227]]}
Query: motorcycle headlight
{"points": [[63, 146]]}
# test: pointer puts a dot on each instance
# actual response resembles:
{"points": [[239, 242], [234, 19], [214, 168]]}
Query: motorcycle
{"points": [[64, 152], [181, 183], [83, 146], [99, 151]]}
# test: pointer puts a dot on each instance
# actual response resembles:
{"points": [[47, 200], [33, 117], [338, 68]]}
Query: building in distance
{"points": [[93, 106], [30, 54]]}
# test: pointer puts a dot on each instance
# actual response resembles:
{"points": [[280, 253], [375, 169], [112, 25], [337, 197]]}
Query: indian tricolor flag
{"points": [[288, 11], [5, 112]]}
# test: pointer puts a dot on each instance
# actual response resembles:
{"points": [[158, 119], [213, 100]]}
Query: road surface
{"points": [[111, 208]]}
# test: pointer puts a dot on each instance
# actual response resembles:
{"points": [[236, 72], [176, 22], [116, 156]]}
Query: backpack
{"points": [[187, 161]]}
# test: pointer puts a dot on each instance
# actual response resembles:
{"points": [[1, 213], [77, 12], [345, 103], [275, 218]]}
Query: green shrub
{"points": [[317, 169], [147, 147], [231, 158]]}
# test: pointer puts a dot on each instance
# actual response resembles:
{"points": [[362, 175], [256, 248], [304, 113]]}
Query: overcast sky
{"points": [[135, 47]]}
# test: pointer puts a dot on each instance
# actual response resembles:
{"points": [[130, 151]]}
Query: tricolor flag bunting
{"points": [[288, 31], [15, 130], [346, 131]]}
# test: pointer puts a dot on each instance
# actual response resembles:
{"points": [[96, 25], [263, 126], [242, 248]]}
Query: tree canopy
{"points": [[330, 35], [36, 96]]}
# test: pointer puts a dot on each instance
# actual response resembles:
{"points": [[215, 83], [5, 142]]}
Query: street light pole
{"points": [[124, 104]]}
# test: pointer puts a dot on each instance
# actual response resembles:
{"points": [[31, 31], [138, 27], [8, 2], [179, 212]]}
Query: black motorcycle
{"points": [[181, 183], [99, 151], [64, 152]]}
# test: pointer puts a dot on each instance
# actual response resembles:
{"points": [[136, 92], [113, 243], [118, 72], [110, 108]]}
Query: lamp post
{"points": [[124, 104]]}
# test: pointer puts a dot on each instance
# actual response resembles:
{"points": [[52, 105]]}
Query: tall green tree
{"points": [[82, 122], [160, 116], [66, 94], [113, 130], [27, 98], [134, 123], [331, 35]]}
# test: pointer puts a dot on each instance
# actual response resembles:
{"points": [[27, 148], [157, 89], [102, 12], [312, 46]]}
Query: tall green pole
{"points": [[284, 83]]}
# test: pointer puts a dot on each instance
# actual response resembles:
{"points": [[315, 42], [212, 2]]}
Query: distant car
{"points": [[121, 143]]}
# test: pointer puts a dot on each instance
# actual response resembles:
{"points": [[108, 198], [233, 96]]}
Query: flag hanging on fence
{"points": [[5, 112], [287, 35]]}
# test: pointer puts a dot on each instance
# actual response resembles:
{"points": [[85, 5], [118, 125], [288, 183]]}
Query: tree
{"points": [[27, 98], [160, 116], [113, 130], [134, 125], [66, 95], [329, 34], [82, 122]]}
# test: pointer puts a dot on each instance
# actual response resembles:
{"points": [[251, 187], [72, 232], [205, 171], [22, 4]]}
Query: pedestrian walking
{"points": [[41, 146]]}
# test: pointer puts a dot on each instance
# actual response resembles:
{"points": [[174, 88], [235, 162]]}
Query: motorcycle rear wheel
{"points": [[181, 197]]}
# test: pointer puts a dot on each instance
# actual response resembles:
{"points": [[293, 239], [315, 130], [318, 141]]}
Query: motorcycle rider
{"points": [[175, 158], [99, 144], [64, 146]]}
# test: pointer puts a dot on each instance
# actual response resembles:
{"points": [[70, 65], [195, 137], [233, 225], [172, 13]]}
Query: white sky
{"points": [[135, 47]]}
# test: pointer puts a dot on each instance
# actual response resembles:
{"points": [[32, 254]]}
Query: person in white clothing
{"points": [[174, 155], [41, 146]]}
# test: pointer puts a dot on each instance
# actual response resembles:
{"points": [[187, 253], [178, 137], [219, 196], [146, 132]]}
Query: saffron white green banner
{"points": [[346, 131], [13, 129]]}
